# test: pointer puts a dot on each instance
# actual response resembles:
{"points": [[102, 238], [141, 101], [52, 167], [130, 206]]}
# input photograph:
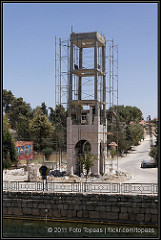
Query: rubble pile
{"points": [[33, 175]]}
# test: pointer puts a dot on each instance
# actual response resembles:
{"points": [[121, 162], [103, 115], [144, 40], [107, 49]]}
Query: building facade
{"points": [[86, 121]]}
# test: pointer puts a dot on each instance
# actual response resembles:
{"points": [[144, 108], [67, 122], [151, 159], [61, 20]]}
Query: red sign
{"points": [[24, 150]]}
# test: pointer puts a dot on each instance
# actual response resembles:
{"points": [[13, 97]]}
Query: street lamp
{"points": [[113, 147]]}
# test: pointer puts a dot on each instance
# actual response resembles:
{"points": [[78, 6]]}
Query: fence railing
{"points": [[89, 187]]}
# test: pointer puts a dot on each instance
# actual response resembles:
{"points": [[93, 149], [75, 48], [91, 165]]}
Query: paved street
{"points": [[131, 164]]}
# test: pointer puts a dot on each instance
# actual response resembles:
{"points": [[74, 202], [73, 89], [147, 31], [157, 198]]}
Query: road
{"points": [[131, 164]]}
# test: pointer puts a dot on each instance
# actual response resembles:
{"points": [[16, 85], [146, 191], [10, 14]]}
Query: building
{"points": [[86, 121]]}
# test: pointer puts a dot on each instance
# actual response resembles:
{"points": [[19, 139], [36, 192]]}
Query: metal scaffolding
{"points": [[62, 61], [62, 72], [112, 86], [83, 86]]}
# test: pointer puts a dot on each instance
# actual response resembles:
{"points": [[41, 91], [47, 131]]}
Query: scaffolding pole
{"points": [[112, 86], [61, 83]]}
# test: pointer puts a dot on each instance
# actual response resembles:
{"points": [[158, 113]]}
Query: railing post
{"points": [[72, 186], [81, 187]]}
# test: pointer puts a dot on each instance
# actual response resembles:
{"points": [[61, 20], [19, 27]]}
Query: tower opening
{"points": [[82, 147]]}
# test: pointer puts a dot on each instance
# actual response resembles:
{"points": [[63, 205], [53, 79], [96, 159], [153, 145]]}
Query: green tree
{"points": [[19, 115], [47, 152], [121, 131], [19, 107], [58, 119], [154, 154], [41, 130], [156, 134], [113, 153], [44, 109], [87, 161], [58, 116], [154, 151], [22, 128], [9, 148], [136, 132], [8, 97], [118, 135], [128, 113], [51, 115], [136, 114]]}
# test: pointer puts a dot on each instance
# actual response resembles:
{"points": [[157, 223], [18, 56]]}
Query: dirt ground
{"points": [[120, 177]]}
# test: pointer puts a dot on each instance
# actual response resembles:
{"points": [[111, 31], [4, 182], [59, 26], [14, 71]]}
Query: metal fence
{"points": [[89, 187]]}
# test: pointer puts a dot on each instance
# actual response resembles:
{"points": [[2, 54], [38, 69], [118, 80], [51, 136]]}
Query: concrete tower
{"points": [[86, 121]]}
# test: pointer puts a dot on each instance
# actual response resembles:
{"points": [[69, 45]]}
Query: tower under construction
{"points": [[86, 86]]}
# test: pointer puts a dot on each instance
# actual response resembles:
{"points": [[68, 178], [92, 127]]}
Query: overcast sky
{"points": [[29, 31]]}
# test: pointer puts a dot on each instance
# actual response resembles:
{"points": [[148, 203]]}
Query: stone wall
{"points": [[94, 207]]}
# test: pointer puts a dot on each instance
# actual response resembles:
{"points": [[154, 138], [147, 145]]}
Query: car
{"points": [[148, 164], [57, 173]]}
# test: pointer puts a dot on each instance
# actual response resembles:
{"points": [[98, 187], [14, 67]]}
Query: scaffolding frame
{"points": [[62, 76], [112, 86], [61, 71]]}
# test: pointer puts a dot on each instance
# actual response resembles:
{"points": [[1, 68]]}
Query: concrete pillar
{"points": [[104, 82], [96, 75], [70, 80], [80, 78]]}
